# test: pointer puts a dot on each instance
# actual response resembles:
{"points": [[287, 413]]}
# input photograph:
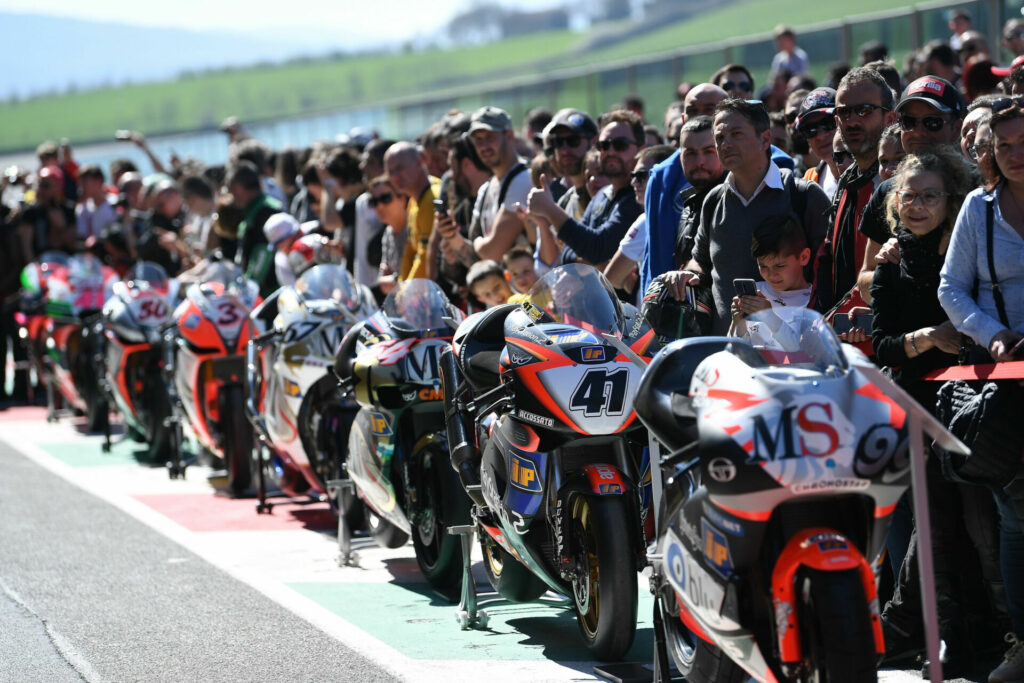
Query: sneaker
{"points": [[1012, 668]]}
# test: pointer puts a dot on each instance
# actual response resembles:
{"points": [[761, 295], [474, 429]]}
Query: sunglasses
{"points": [[745, 86], [810, 130], [556, 142], [862, 110], [381, 200], [640, 176], [791, 117], [973, 152], [930, 198], [842, 157], [618, 144], [1004, 103], [931, 123]]}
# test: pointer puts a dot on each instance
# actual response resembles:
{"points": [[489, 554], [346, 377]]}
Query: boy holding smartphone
{"points": [[780, 248]]}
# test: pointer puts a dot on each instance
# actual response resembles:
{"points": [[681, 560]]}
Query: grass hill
{"points": [[267, 92]]}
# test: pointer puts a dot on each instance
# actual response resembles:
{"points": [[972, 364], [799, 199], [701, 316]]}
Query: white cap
{"points": [[280, 227]]}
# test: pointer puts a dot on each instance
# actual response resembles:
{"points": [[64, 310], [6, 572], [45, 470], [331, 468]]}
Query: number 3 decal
{"points": [[228, 313], [600, 392]]}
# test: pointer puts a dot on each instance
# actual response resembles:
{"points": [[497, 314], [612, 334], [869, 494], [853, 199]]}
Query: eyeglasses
{"points": [[1004, 103], [618, 144], [745, 86], [865, 110], [381, 200], [930, 199], [931, 123], [639, 176], [842, 157], [973, 152], [791, 117], [556, 142], [827, 124]]}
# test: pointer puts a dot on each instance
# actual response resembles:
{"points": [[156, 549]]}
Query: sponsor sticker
{"points": [[836, 484], [716, 549], [291, 388], [522, 473], [379, 425], [592, 354], [722, 470], [730, 525], [535, 418]]}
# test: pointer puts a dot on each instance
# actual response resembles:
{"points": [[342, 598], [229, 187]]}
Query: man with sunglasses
{"points": [[816, 124], [930, 113], [595, 237], [568, 138], [864, 104]]}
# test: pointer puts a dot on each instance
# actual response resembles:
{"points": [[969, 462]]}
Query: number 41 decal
{"points": [[600, 392]]}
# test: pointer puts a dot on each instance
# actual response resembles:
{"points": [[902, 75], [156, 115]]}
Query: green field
{"points": [[262, 93]]}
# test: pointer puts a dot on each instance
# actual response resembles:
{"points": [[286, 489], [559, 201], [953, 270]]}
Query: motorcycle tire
{"points": [[158, 432], [836, 626], [605, 586], [698, 660], [238, 439], [508, 576], [384, 533], [442, 503]]}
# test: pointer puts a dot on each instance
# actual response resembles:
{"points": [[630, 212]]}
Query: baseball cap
{"points": [[819, 100], [573, 119], [490, 118], [938, 92], [1004, 71], [280, 227]]}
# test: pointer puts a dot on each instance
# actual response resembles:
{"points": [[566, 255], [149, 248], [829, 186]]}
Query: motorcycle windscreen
{"points": [[794, 336], [577, 295], [419, 307]]}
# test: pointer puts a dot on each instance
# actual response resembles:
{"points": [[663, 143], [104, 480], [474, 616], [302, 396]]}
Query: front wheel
{"points": [[698, 660], [441, 503], [836, 627], [605, 585], [384, 533], [508, 576], [237, 439]]}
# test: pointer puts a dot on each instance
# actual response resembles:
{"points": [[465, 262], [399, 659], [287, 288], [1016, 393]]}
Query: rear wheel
{"points": [[237, 435], [605, 586], [441, 502], [836, 627], [508, 576]]}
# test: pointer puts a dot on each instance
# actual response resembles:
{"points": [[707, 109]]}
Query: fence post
{"points": [[631, 78], [845, 41], [677, 70], [915, 28], [591, 93]]}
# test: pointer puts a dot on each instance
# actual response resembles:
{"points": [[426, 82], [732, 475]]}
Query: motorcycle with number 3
{"points": [[539, 409], [785, 464], [205, 358], [398, 450]]}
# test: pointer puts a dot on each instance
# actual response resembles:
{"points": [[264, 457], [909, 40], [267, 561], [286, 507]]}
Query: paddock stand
{"points": [[349, 542], [262, 460]]}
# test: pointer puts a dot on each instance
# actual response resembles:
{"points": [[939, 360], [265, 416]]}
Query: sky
{"points": [[356, 23]]}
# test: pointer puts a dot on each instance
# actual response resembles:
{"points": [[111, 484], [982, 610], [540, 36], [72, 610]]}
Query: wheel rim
{"points": [[586, 583], [428, 518], [492, 556]]}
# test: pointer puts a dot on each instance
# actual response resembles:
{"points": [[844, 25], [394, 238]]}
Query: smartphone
{"points": [[440, 206], [744, 287], [1018, 350], [842, 323]]}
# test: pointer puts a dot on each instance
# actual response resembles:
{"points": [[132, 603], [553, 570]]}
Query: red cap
{"points": [[1004, 71]]}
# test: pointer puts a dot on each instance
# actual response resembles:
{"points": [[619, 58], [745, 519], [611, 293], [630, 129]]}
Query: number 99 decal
{"points": [[601, 392]]}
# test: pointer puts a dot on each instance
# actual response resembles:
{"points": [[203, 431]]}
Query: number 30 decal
{"points": [[600, 392]]}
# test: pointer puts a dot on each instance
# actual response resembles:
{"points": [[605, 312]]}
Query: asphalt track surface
{"points": [[111, 572]]}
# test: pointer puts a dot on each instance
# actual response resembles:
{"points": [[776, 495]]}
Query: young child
{"points": [[519, 270], [780, 248], [486, 282]]}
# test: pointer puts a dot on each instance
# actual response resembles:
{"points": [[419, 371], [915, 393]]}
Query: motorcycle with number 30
{"points": [[539, 411], [784, 465]]}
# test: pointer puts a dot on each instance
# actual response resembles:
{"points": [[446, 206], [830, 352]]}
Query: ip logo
{"points": [[593, 354]]}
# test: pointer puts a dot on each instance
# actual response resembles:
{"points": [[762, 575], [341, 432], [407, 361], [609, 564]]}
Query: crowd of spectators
{"points": [[863, 194]]}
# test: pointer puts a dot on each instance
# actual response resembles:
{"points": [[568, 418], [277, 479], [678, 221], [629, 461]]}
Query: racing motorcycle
{"points": [[204, 358], [139, 307], [62, 297], [785, 464], [397, 450], [294, 401], [539, 407]]}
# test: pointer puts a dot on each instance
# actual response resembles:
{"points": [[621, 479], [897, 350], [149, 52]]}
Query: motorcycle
{"points": [[63, 296], [539, 405], [204, 358], [135, 314], [397, 450], [294, 401], [785, 465]]}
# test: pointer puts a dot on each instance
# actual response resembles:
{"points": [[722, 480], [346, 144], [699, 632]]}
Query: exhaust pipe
{"points": [[461, 428]]}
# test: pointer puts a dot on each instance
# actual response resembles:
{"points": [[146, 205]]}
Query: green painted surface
{"points": [[410, 619], [88, 452]]}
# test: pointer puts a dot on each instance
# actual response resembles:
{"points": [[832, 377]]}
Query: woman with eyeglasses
{"points": [[392, 210], [911, 336], [982, 288]]}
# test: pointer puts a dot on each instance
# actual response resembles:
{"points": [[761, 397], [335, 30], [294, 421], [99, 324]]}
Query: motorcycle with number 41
{"points": [[784, 465], [539, 410]]}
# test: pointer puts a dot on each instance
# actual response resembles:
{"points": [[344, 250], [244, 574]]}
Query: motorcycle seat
{"points": [[662, 399], [481, 347]]}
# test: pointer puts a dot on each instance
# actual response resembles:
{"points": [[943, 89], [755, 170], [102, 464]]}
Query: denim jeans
{"points": [[1010, 503]]}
